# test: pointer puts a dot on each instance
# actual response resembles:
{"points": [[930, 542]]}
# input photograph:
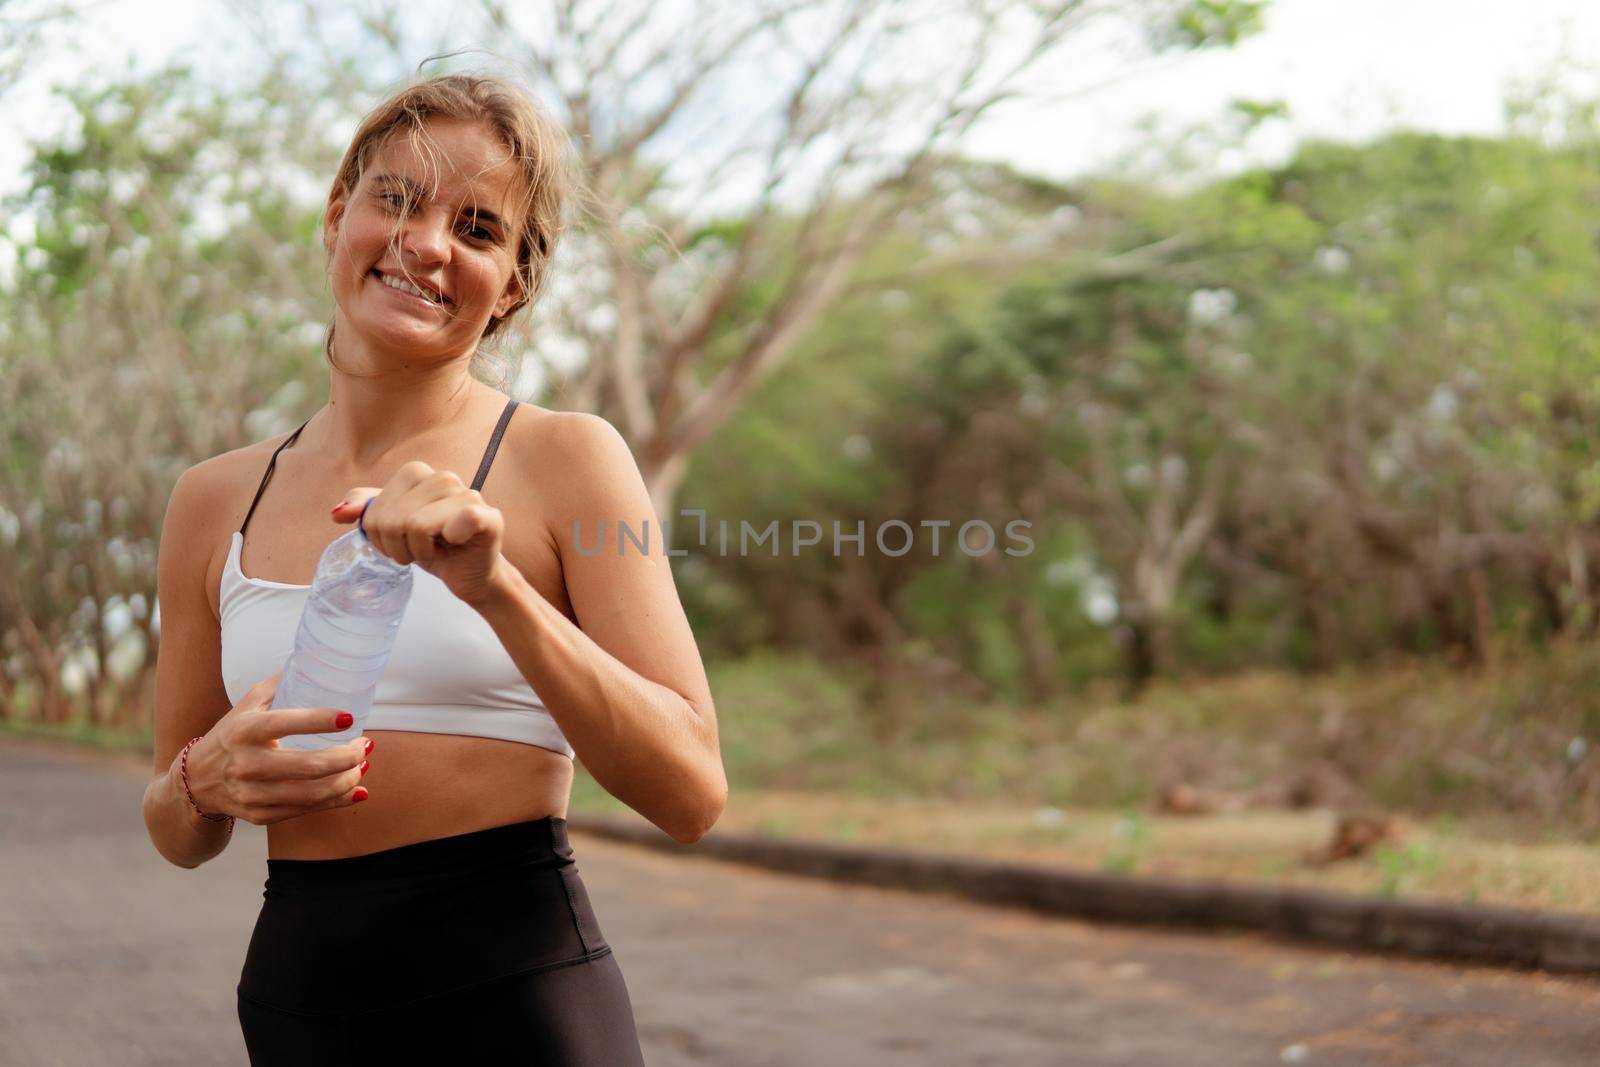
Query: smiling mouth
{"points": [[400, 285]]}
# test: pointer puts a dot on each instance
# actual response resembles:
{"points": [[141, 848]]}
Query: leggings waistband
{"points": [[535, 843]]}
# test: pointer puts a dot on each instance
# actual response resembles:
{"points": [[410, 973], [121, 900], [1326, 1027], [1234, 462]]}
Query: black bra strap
{"points": [[494, 443], [477, 483], [272, 463]]}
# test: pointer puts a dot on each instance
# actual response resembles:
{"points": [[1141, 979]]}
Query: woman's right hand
{"points": [[238, 769]]}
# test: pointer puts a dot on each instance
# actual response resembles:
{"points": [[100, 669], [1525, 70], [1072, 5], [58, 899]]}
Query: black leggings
{"points": [[480, 947]]}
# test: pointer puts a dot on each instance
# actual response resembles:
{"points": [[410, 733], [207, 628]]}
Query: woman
{"points": [[422, 904]]}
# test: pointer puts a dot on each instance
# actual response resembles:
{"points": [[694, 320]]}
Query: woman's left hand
{"points": [[432, 519]]}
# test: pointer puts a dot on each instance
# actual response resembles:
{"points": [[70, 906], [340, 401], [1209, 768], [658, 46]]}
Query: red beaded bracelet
{"points": [[183, 773]]}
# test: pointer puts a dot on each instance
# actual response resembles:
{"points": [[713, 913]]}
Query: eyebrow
{"points": [[480, 214]]}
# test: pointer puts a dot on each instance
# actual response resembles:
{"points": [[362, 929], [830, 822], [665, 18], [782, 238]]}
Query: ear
{"points": [[332, 216], [508, 298]]}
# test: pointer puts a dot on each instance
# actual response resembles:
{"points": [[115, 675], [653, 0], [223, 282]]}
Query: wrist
{"points": [[196, 816], [504, 585], [191, 817]]}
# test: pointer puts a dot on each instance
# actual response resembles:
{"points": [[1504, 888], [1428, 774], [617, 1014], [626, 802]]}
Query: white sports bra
{"points": [[449, 673]]}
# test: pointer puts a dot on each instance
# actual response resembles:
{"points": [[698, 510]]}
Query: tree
{"points": [[164, 309], [743, 157]]}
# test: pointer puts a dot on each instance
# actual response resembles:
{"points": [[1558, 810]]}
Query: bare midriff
{"points": [[423, 786]]}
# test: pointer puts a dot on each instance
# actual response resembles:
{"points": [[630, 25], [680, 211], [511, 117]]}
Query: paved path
{"points": [[108, 955]]}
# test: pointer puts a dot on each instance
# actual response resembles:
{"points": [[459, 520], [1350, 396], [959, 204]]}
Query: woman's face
{"points": [[457, 244]]}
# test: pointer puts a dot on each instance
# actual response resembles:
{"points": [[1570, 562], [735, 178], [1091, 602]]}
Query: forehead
{"points": [[463, 161]]}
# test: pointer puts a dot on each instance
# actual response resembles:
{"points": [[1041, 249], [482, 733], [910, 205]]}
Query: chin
{"points": [[402, 335]]}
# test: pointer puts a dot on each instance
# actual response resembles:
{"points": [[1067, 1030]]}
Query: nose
{"points": [[426, 238]]}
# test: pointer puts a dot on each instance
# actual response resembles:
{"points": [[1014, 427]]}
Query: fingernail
{"points": [[344, 721], [339, 505], [368, 752], [360, 795], [364, 765]]}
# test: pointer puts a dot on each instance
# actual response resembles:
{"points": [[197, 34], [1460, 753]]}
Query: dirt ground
{"points": [[110, 955]]}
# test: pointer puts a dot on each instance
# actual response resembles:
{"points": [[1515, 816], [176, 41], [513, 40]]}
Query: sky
{"points": [[1347, 69]]}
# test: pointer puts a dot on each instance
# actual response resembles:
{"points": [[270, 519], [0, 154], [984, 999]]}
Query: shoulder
{"points": [[572, 452], [566, 436], [207, 503], [223, 484], [575, 468]]}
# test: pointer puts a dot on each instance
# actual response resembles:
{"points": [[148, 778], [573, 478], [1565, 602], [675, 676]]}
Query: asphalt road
{"points": [[108, 955]]}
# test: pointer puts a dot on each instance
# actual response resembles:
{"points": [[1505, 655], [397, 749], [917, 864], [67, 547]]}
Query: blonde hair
{"points": [[537, 145]]}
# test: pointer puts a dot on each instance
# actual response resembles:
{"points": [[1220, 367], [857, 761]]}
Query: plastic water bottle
{"points": [[346, 634]]}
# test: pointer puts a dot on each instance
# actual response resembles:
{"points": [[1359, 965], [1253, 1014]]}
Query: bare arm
{"points": [[627, 689], [190, 697], [238, 768]]}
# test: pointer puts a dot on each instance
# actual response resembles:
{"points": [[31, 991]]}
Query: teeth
{"points": [[406, 287]]}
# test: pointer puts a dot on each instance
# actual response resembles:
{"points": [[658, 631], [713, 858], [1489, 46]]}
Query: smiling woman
{"points": [[423, 169], [421, 894]]}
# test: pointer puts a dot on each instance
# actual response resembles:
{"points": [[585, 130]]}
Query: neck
{"points": [[379, 401]]}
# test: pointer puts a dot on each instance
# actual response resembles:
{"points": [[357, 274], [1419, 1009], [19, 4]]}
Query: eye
{"points": [[394, 200], [477, 233]]}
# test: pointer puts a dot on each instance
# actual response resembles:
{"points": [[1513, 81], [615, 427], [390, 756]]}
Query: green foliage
{"points": [[798, 722], [1364, 340], [1132, 837], [1255, 112], [1401, 865], [1202, 23], [1463, 751]]}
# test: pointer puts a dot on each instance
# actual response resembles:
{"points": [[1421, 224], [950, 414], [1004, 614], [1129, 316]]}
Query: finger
{"points": [[376, 531], [390, 537], [293, 765], [261, 694], [403, 525], [352, 796], [474, 524], [398, 499], [420, 528], [264, 815], [348, 509], [281, 722], [324, 792], [385, 524]]}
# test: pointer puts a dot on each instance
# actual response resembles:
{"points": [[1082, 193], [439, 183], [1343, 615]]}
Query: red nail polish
{"points": [[344, 721], [370, 743], [364, 765], [360, 794]]}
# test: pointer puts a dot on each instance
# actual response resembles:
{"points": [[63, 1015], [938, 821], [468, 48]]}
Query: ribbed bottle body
{"points": [[345, 637]]}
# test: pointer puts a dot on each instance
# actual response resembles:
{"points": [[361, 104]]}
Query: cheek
{"points": [[488, 278], [364, 240], [357, 247]]}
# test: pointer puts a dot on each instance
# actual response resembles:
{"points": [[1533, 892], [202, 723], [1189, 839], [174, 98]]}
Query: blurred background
{"points": [[1276, 321]]}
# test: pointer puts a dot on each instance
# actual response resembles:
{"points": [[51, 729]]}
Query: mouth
{"points": [[420, 293]]}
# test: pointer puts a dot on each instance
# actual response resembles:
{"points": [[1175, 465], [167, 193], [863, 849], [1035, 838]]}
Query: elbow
{"points": [[158, 840], [176, 861], [704, 815], [155, 842]]}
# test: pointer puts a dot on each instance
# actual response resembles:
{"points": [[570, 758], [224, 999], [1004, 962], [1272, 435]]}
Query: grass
{"points": [[1439, 862], [1494, 750], [1479, 764], [82, 733]]}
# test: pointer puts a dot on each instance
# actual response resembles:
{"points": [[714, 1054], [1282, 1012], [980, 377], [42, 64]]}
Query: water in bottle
{"points": [[346, 634]]}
